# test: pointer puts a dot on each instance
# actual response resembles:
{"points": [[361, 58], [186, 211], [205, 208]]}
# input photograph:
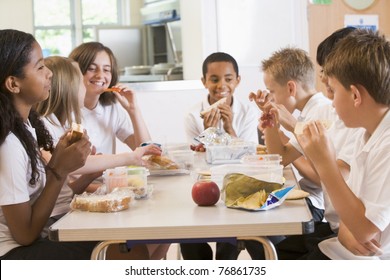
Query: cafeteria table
{"points": [[169, 214]]}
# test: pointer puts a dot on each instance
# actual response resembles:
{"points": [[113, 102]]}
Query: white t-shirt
{"points": [[369, 180], [65, 196], [343, 138], [104, 124], [15, 174], [316, 108], [245, 121]]}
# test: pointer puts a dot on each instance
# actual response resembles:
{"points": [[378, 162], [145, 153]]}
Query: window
{"points": [[61, 25]]}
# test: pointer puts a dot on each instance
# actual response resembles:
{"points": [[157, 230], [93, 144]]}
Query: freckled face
{"points": [[221, 81]]}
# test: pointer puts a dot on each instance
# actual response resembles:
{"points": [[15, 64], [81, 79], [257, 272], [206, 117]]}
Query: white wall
{"points": [[164, 106], [16, 15], [249, 30]]}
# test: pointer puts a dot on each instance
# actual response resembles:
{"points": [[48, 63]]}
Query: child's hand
{"points": [[227, 117], [369, 248], [261, 97], [68, 156], [211, 118], [125, 96], [315, 143], [270, 117], [139, 152]]}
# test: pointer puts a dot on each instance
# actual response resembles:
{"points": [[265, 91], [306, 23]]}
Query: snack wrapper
{"points": [[244, 192], [214, 136]]}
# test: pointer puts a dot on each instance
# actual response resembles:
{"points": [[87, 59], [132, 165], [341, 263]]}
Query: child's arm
{"points": [[227, 116], [369, 248], [97, 163], [126, 98], [26, 220], [269, 124], [319, 149]]}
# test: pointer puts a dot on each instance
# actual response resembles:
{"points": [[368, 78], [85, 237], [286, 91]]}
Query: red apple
{"points": [[205, 193]]}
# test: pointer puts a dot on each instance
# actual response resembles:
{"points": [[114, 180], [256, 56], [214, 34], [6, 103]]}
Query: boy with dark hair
{"points": [[220, 78]]}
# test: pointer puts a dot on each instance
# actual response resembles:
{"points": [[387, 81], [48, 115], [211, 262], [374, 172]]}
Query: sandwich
{"points": [[215, 105], [76, 132], [111, 202], [155, 162], [300, 126]]}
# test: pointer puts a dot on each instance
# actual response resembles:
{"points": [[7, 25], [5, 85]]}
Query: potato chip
{"points": [[253, 201]]}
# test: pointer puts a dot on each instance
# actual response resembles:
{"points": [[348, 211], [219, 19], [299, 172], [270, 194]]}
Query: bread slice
{"points": [[77, 132], [215, 105], [299, 127], [296, 194]]}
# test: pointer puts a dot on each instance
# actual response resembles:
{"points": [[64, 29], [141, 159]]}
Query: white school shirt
{"points": [[245, 121], [62, 205], [316, 108], [106, 123], [369, 180], [344, 140], [15, 174]]}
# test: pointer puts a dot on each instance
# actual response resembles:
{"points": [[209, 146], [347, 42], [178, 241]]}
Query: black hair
{"points": [[326, 46], [219, 57], [15, 50]]}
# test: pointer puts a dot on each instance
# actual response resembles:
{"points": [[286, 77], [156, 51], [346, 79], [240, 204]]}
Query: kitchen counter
{"points": [[162, 85], [150, 78]]}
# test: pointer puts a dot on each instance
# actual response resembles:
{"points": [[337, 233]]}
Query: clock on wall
{"points": [[359, 4]]}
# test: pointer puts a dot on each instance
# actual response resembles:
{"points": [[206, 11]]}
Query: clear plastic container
{"points": [[268, 173], [134, 178], [221, 154], [183, 158], [269, 159]]}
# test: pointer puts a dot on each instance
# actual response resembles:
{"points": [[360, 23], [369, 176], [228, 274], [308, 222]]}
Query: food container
{"points": [[138, 70], [268, 173], [134, 178], [270, 159], [183, 158], [222, 154], [162, 68]]}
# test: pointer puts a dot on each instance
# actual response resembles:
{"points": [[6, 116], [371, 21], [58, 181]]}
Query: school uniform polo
{"points": [[106, 123], [15, 174], [343, 139], [369, 180], [65, 196], [318, 107], [245, 120]]}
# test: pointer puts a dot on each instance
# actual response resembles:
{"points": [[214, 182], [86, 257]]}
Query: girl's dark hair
{"points": [[15, 49], [219, 57], [85, 54]]}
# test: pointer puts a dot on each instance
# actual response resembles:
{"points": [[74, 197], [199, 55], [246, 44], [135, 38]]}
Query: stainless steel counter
{"points": [[149, 78], [180, 85]]}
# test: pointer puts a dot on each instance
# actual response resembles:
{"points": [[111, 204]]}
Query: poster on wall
{"points": [[362, 21]]}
